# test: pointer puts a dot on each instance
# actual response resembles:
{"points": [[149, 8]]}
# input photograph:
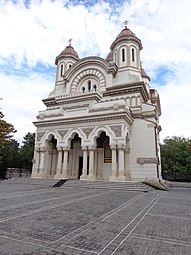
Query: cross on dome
{"points": [[125, 23], [70, 41]]}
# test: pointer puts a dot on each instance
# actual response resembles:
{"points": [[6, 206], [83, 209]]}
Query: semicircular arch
{"points": [[71, 135], [97, 131], [85, 73], [49, 135]]}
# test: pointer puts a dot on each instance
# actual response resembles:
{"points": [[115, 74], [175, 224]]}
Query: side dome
{"points": [[67, 52], [144, 74], [126, 34], [109, 57]]}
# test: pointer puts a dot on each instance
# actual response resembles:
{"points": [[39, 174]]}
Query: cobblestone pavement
{"points": [[41, 220]]}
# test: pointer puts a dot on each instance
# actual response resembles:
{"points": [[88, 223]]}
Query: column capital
{"points": [[91, 147], [42, 149], [59, 148], [113, 146], [65, 148], [37, 149], [121, 146], [84, 147]]}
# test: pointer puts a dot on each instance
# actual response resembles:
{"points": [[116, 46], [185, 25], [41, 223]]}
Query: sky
{"points": [[33, 33]]}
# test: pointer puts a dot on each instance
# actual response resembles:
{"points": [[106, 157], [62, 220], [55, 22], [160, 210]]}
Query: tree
{"points": [[6, 133], [27, 150], [176, 154]]}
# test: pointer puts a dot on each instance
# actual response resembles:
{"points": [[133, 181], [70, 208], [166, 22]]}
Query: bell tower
{"points": [[126, 55], [65, 60]]}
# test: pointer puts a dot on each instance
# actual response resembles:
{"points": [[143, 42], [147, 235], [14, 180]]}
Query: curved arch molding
{"points": [[93, 72]]}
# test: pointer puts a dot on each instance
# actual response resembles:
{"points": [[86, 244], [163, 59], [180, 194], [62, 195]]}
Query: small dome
{"points": [[67, 52], [144, 74], [126, 34], [109, 57]]}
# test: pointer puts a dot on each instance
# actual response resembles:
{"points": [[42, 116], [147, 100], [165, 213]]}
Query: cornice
{"points": [[78, 97], [128, 88], [86, 119]]}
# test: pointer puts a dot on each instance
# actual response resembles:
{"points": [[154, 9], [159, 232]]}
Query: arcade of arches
{"points": [[99, 161]]}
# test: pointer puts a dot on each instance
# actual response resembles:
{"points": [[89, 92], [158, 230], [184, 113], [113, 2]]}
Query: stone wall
{"points": [[17, 173]]}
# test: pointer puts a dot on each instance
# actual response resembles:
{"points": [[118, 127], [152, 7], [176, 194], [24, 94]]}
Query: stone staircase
{"points": [[126, 186], [67, 183]]}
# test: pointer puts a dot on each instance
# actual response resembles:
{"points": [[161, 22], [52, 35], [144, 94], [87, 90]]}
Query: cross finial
{"points": [[125, 23], [70, 40]]}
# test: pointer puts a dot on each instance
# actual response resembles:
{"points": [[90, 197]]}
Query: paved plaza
{"points": [[38, 219]]}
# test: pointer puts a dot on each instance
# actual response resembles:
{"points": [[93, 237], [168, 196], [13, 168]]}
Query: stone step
{"points": [[48, 182], [128, 186]]}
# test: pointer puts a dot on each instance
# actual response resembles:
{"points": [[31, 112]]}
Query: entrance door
{"points": [[80, 167]]}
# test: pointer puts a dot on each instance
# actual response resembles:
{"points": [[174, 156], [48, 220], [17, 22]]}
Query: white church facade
{"points": [[102, 119]]}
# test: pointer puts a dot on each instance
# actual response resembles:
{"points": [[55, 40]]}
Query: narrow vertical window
{"points": [[115, 57], [95, 87], [133, 55], [89, 86], [61, 70], [123, 55]]}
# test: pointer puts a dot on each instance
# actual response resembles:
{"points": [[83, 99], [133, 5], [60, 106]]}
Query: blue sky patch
{"points": [[161, 74]]}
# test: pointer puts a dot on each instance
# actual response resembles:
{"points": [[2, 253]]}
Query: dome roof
{"points": [[127, 34], [67, 52], [109, 57], [144, 74]]}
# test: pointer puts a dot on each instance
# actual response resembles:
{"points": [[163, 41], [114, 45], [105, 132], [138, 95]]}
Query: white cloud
{"points": [[37, 34]]}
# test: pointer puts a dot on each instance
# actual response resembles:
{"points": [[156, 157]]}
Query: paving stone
{"points": [[36, 219]]}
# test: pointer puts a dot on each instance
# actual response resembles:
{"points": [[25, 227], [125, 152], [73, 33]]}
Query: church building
{"points": [[102, 118]]}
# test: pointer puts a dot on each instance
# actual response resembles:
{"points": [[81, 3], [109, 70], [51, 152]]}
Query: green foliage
{"points": [[176, 154], [11, 154], [27, 150], [6, 133], [15, 156]]}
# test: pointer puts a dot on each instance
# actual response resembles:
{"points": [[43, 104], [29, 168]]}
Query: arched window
{"points": [[61, 70], [95, 87], [123, 55], [83, 89], [133, 54], [89, 86]]}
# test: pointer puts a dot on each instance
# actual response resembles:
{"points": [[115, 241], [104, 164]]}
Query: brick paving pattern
{"points": [[40, 220]]}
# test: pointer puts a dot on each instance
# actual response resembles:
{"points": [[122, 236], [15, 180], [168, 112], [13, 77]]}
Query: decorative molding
{"points": [[39, 136], [62, 133], [89, 119], [143, 161], [117, 130], [87, 72], [87, 131]]}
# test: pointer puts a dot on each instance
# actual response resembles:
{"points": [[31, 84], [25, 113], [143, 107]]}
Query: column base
{"points": [[35, 176], [57, 176], [83, 177], [90, 177], [121, 178], [113, 178]]}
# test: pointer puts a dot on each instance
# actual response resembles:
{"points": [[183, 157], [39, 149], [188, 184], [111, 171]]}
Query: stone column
{"points": [[36, 159], [41, 168], [85, 159], [91, 163], [113, 176], [59, 163], [121, 163], [100, 163], [65, 163]]}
